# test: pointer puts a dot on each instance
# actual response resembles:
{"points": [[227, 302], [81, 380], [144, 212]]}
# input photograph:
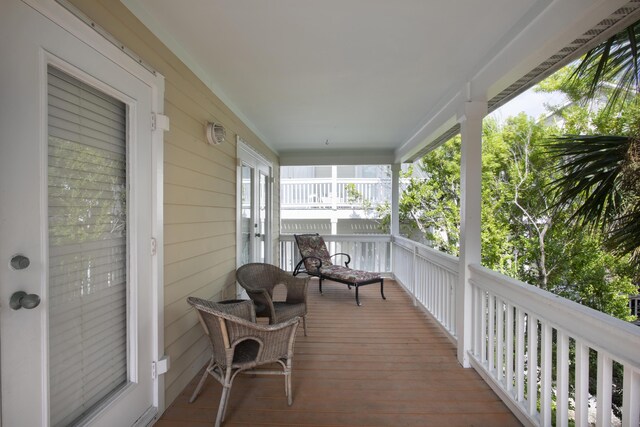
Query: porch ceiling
{"points": [[362, 74]]}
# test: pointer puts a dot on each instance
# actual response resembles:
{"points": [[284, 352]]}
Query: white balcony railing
{"points": [[528, 342], [430, 277], [368, 252], [532, 347], [328, 193]]}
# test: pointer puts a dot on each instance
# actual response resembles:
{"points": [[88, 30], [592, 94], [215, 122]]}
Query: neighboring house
{"points": [[103, 119], [333, 199]]}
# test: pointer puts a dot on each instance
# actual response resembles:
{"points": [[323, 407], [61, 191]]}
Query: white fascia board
{"points": [[546, 28], [336, 157], [442, 119], [545, 31]]}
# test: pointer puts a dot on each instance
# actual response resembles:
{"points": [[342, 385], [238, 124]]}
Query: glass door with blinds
{"points": [[75, 166], [87, 201]]}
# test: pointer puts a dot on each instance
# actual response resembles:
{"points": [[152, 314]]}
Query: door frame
{"points": [[249, 156], [77, 24]]}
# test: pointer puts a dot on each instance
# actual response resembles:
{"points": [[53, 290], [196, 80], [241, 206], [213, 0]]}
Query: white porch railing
{"points": [[430, 277], [328, 193], [530, 346], [368, 252], [528, 342]]}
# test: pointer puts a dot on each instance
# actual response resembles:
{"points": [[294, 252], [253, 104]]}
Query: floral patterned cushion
{"points": [[348, 274], [314, 246]]}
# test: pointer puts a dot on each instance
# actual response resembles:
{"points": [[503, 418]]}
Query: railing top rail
{"points": [[441, 259], [601, 331], [345, 237], [341, 180], [303, 180]]}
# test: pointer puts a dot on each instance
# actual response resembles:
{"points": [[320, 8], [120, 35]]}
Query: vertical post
{"points": [[334, 200], [395, 199], [470, 209], [334, 187]]}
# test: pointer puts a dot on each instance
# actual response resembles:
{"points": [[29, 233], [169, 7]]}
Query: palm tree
{"points": [[600, 174]]}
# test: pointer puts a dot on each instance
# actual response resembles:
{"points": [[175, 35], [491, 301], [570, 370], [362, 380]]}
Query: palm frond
{"points": [[613, 62], [589, 167], [624, 237]]}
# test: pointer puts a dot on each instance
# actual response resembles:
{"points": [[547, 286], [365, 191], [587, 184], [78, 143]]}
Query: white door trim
{"points": [[81, 30], [248, 155]]}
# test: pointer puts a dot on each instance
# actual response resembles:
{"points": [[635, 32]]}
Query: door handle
{"points": [[258, 235], [21, 299]]}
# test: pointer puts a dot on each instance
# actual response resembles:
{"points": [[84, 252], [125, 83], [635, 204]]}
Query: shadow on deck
{"points": [[383, 364]]}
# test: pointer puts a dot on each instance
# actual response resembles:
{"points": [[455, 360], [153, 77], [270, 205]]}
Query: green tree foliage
{"points": [[431, 202], [522, 236], [599, 155]]}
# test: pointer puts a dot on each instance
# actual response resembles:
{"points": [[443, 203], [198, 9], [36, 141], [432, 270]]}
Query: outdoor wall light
{"points": [[215, 133]]}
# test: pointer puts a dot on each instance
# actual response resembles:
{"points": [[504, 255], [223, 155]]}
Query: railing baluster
{"points": [[474, 321], [500, 341], [630, 397], [491, 350], [582, 384], [415, 274], [605, 370], [532, 364], [437, 291], [452, 304], [510, 345], [545, 380], [519, 365], [484, 310], [562, 379]]}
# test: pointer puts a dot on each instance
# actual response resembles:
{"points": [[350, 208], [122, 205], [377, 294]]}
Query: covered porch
{"points": [[387, 363], [529, 350], [454, 343]]}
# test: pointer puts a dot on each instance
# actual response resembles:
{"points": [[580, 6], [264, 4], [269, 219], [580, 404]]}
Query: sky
{"points": [[532, 103]]}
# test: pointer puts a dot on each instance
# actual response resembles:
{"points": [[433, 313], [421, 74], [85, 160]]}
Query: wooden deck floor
{"points": [[385, 363]]}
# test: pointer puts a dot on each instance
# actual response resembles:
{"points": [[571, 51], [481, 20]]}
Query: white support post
{"points": [[334, 188], [470, 209], [395, 199]]}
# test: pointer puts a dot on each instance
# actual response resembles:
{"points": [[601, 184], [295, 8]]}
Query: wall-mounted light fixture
{"points": [[215, 133]]}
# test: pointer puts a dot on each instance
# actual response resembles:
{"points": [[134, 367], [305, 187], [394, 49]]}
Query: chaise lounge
{"points": [[316, 261]]}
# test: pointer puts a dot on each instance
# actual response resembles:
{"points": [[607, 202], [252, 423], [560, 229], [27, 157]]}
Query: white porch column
{"points": [[395, 199], [334, 187], [470, 209]]}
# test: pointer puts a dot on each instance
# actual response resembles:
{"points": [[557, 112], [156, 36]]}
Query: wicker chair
{"points": [[316, 261], [239, 344], [259, 279]]}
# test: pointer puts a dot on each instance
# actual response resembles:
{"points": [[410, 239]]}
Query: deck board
{"points": [[384, 364]]}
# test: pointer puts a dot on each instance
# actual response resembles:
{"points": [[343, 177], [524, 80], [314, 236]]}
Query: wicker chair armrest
{"points": [[346, 263], [277, 340], [264, 328], [262, 299], [243, 309]]}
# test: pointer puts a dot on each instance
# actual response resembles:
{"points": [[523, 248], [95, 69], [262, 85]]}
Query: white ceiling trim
{"points": [[336, 157]]}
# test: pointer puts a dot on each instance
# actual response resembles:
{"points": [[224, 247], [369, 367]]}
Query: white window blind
{"points": [[87, 247]]}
